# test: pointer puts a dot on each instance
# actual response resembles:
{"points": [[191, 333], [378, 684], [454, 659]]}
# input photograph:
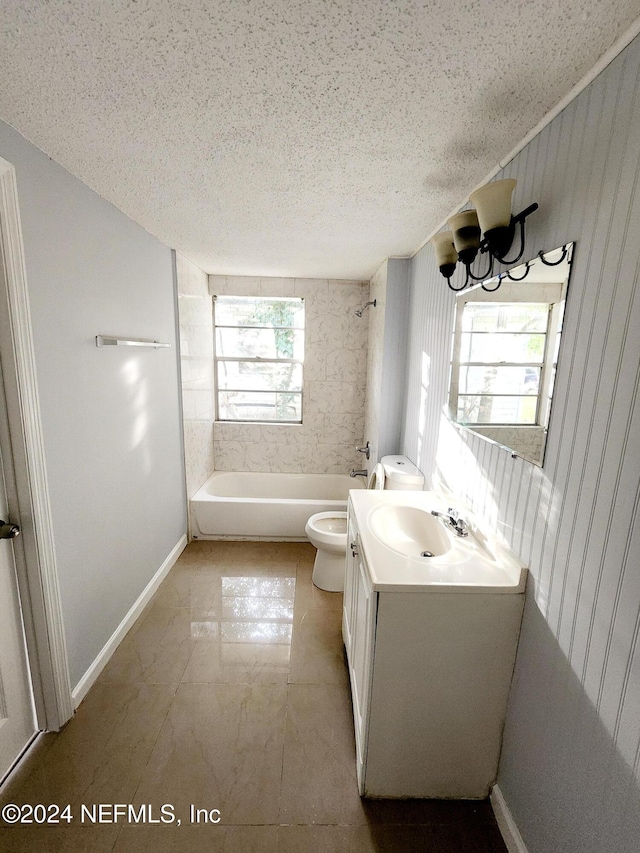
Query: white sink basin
{"points": [[396, 530], [410, 531]]}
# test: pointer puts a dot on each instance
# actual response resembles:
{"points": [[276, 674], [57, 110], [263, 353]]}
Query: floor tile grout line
{"points": [[151, 751]]}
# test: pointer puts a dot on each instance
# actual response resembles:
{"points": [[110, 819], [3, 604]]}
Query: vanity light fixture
{"points": [[489, 229]]}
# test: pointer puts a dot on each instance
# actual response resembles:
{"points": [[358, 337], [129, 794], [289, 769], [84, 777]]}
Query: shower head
{"points": [[360, 311]]}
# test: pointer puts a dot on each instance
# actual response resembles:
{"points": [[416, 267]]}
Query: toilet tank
{"points": [[401, 473]]}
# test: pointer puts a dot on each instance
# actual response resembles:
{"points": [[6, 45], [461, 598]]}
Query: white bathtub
{"points": [[266, 506]]}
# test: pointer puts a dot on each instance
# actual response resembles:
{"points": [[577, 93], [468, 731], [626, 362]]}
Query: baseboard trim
{"points": [[507, 825], [90, 676]]}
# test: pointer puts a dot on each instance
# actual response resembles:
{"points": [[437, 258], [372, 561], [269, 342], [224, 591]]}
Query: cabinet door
{"points": [[362, 637], [361, 662], [348, 606]]}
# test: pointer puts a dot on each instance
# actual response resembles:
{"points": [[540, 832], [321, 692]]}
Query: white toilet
{"points": [[327, 531]]}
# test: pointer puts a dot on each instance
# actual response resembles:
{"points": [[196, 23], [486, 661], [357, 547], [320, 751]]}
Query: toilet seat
{"points": [[328, 529], [376, 480], [328, 532]]}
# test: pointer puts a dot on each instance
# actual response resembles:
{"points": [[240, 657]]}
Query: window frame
{"points": [[217, 359]]}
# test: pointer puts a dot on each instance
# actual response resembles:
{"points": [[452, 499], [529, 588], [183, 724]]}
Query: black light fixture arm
{"points": [[483, 276], [520, 277], [493, 289], [457, 289], [565, 252]]}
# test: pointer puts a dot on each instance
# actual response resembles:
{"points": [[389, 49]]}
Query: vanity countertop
{"points": [[476, 563]]}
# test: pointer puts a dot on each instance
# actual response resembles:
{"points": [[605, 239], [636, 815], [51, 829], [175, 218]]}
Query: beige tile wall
{"points": [[334, 383], [375, 320], [196, 361]]}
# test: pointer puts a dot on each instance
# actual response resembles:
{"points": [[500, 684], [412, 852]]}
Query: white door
{"points": [[17, 716]]}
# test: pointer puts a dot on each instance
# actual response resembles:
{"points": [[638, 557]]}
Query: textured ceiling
{"points": [[291, 137]]}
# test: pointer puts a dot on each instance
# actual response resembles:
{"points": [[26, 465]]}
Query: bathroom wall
{"points": [[334, 383], [386, 359], [570, 761], [111, 415], [375, 353], [195, 311]]}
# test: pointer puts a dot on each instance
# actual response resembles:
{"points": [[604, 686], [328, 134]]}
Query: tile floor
{"points": [[230, 692]]}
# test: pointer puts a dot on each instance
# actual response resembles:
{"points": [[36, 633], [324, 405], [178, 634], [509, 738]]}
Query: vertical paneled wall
{"points": [[570, 764]]}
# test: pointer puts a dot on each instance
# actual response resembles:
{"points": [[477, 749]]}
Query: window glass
{"points": [[259, 354]]}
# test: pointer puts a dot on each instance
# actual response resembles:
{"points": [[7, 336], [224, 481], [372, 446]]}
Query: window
{"points": [[259, 354], [504, 362]]}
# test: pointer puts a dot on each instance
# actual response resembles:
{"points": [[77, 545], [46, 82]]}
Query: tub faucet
{"points": [[454, 520], [355, 473]]}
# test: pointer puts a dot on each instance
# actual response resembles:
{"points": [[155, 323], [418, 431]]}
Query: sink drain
{"points": [[426, 554]]}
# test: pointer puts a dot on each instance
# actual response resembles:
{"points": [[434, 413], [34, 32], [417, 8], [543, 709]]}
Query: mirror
{"points": [[506, 343]]}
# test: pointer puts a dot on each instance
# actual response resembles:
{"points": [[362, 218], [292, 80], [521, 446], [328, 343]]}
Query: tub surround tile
{"points": [[246, 433], [347, 297], [321, 460], [199, 338], [272, 286], [353, 398], [343, 429], [195, 311], [324, 397], [192, 281], [335, 363], [236, 285], [230, 455], [197, 404], [328, 331], [349, 458], [217, 285], [195, 315], [315, 363], [315, 292], [346, 365], [310, 432], [198, 444]]}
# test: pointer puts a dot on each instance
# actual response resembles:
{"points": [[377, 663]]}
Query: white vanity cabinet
{"points": [[430, 672], [358, 631]]}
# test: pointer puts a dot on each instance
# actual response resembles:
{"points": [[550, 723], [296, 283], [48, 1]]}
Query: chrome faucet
{"points": [[453, 520], [355, 473], [366, 450]]}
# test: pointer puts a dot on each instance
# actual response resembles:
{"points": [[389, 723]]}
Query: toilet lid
{"points": [[376, 480]]}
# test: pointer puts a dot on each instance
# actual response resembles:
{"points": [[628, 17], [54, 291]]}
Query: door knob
{"points": [[8, 531]]}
